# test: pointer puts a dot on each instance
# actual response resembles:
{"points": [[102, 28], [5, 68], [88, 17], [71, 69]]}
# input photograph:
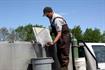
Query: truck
{"points": [[92, 54]]}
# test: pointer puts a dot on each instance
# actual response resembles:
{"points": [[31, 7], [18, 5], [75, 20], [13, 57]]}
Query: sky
{"points": [[86, 13]]}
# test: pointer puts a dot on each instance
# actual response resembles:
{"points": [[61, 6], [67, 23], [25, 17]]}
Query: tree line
{"points": [[25, 33], [90, 35]]}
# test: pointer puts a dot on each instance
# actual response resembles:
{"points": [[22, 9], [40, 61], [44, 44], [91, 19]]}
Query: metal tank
{"points": [[15, 56]]}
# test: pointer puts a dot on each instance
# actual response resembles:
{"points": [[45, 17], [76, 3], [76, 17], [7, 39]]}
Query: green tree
{"points": [[97, 35], [26, 32], [103, 37], [91, 35], [77, 32], [3, 33]]}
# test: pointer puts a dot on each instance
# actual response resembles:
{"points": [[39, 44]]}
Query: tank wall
{"points": [[15, 56]]}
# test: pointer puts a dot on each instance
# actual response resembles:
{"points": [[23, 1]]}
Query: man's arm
{"points": [[58, 23], [57, 37]]}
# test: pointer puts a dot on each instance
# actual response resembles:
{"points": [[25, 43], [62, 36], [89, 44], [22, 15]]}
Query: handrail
{"points": [[90, 53]]}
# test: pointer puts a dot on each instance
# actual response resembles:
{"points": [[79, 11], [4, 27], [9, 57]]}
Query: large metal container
{"points": [[16, 56]]}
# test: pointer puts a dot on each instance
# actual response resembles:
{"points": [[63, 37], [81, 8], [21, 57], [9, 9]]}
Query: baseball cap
{"points": [[46, 10]]}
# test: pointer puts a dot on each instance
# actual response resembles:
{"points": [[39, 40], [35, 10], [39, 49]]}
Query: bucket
{"points": [[80, 64], [42, 63]]}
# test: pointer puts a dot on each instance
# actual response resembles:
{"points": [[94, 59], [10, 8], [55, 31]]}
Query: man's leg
{"points": [[64, 68], [63, 56], [63, 52]]}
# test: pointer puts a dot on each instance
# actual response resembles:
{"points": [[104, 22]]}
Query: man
{"points": [[62, 36]]}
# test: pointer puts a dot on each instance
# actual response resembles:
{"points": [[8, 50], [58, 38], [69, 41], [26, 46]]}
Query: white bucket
{"points": [[80, 64]]}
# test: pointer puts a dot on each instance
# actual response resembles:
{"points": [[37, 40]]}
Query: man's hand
{"points": [[50, 44]]}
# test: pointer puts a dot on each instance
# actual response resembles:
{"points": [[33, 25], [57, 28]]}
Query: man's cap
{"points": [[46, 10]]}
